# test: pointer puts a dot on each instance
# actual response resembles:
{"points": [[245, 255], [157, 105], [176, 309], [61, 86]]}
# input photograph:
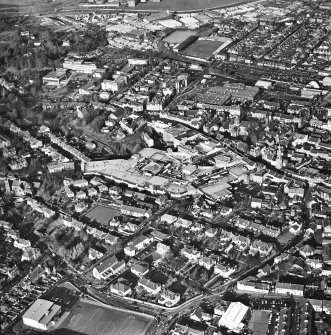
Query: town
{"points": [[166, 170]]}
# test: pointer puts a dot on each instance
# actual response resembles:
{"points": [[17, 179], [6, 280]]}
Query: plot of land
{"points": [[91, 319], [185, 5], [102, 214], [202, 49]]}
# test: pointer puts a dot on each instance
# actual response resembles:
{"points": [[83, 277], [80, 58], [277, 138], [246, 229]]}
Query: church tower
{"points": [[279, 158]]}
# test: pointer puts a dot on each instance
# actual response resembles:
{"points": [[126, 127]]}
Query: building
{"points": [[56, 78], [22, 244], [233, 317], [192, 254], [138, 61], [169, 298], [41, 313], [4, 142], [120, 289], [62, 166], [79, 66], [149, 141], [30, 254], [224, 270], [36, 206], [138, 244], [289, 289], [149, 286], [134, 211], [253, 287], [139, 270], [113, 85], [132, 3], [108, 268]]}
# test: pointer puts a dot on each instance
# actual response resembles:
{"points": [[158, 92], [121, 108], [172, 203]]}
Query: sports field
{"points": [[101, 214], [92, 319], [202, 48], [185, 5]]}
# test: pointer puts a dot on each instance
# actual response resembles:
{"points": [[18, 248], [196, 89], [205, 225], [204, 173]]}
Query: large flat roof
{"points": [[179, 36], [42, 311], [234, 315], [217, 190]]}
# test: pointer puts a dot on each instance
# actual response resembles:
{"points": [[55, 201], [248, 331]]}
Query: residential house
{"points": [[207, 262], [211, 232], [138, 244], [30, 254], [80, 183], [162, 248], [111, 239], [241, 242], [263, 248], [182, 223], [224, 270], [149, 286], [95, 254], [81, 195], [22, 244], [92, 192], [169, 298], [120, 289], [108, 268], [306, 251], [139, 270], [192, 254], [70, 194]]}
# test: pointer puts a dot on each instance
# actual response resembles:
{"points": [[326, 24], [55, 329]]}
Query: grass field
{"points": [[90, 319], [202, 48], [101, 214], [185, 5]]}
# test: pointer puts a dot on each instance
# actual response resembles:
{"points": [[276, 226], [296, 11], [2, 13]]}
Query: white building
{"points": [[79, 66], [149, 286], [169, 298], [22, 244], [253, 287], [120, 289], [108, 268], [288, 289], [40, 314], [233, 317], [224, 270]]}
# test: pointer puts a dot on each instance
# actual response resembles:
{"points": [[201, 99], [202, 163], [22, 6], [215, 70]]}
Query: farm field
{"points": [[101, 214], [92, 319]]}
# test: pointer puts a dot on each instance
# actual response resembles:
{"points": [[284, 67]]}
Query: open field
{"points": [[101, 214], [91, 319], [185, 5]]}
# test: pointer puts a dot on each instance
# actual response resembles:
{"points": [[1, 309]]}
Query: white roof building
{"points": [[40, 314], [233, 317]]}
